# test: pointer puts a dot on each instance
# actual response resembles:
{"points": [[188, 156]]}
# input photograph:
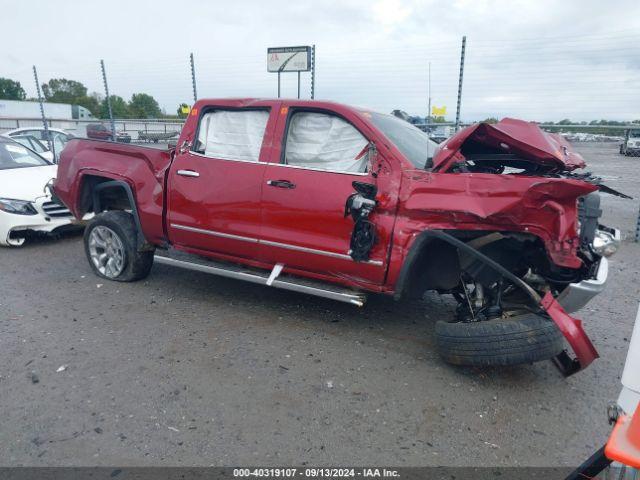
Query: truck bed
{"points": [[84, 163]]}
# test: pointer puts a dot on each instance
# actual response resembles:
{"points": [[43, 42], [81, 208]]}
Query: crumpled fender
{"points": [[545, 207]]}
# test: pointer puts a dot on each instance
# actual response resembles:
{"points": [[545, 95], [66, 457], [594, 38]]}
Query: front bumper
{"points": [[577, 295], [632, 150], [50, 217]]}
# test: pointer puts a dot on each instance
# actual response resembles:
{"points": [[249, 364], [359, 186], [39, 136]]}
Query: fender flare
{"points": [[401, 287], [132, 201], [428, 235]]}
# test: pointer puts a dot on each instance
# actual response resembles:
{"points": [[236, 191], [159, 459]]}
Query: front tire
{"points": [[111, 246], [517, 340]]}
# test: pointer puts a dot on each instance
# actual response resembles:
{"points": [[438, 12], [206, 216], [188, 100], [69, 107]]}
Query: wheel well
{"points": [[101, 194], [96, 196], [433, 264]]}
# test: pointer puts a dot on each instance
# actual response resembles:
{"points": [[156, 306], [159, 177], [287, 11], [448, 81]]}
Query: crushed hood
{"points": [[509, 136]]}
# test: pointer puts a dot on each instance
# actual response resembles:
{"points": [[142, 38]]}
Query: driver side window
{"points": [[325, 142]]}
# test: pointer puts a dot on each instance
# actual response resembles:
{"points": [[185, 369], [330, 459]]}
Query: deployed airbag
{"points": [[326, 142], [233, 135]]}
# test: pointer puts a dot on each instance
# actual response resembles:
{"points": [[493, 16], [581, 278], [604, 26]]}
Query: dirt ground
{"points": [[190, 369]]}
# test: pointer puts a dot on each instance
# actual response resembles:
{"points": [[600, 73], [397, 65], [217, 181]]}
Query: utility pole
{"points": [[313, 72], [429, 105], [638, 228], [106, 90], [44, 120], [464, 43], [193, 78]]}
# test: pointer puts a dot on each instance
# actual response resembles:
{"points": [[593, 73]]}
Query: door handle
{"points": [[188, 173], [281, 183]]}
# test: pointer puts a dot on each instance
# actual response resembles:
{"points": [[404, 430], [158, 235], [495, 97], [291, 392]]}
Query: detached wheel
{"points": [[110, 242], [521, 339]]}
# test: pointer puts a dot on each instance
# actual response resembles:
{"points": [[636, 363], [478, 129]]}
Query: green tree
{"points": [[62, 90], [93, 103], [143, 105], [490, 120], [119, 107], [11, 90]]}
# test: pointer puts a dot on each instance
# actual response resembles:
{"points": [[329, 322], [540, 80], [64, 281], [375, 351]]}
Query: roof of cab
{"points": [[251, 102]]}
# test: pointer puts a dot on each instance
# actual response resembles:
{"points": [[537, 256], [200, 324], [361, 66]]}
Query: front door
{"points": [[215, 187], [304, 195]]}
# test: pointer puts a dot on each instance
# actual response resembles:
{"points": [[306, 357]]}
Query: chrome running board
{"points": [[295, 284]]}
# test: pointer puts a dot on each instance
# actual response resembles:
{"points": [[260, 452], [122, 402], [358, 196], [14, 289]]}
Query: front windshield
{"points": [[410, 140], [14, 155]]}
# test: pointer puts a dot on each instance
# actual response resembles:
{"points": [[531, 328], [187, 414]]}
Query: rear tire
{"points": [[517, 340], [111, 246]]}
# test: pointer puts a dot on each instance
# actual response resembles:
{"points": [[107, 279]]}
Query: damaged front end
{"points": [[570, 327], [504, 206]]}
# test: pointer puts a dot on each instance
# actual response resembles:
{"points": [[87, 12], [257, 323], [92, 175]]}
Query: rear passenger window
{"points": [[325, 142], [232, 134]]}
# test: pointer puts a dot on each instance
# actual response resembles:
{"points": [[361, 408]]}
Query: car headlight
{"points": [[605, 243], [18, 207]]}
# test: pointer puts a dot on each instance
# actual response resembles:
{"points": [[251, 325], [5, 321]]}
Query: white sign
{"points": [[289, 59]]}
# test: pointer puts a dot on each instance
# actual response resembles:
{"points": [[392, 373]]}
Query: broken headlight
{"points": [[17, 207], [605, 243]]}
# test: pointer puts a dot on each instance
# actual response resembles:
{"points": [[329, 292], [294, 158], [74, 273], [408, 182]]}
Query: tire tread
{"points": [[517, 340]]}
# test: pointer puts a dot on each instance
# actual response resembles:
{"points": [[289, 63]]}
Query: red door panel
{"points": [[220, 209], [305, 228], [214, 203], [303, 222]]}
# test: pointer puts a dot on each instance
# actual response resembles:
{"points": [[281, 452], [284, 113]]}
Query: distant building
{"points": [[53, 111]]}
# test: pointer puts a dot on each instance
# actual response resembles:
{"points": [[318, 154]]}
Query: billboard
{"points": [[289, 59]]}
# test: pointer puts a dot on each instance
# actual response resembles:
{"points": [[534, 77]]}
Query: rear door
{"points": [[304, 193], [215, 187]]}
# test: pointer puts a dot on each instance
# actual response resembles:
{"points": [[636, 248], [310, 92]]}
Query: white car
{"points": [[34, 144], [25, 203], [58, 136]]}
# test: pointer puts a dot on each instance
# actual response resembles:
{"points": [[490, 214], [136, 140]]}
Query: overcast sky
{"points": [[538, 60]]}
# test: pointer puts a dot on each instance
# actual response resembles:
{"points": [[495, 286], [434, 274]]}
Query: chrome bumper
{"points": [[577, 295]]}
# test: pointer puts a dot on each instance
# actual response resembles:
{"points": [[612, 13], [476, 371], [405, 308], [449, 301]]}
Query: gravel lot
{"points": [[190, 369]]}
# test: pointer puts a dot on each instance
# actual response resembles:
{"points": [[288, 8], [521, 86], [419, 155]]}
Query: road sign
{"points": [[289, 59]]}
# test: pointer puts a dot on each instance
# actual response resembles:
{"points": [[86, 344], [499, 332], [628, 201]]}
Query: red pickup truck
{"points": [[341, 202]]}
